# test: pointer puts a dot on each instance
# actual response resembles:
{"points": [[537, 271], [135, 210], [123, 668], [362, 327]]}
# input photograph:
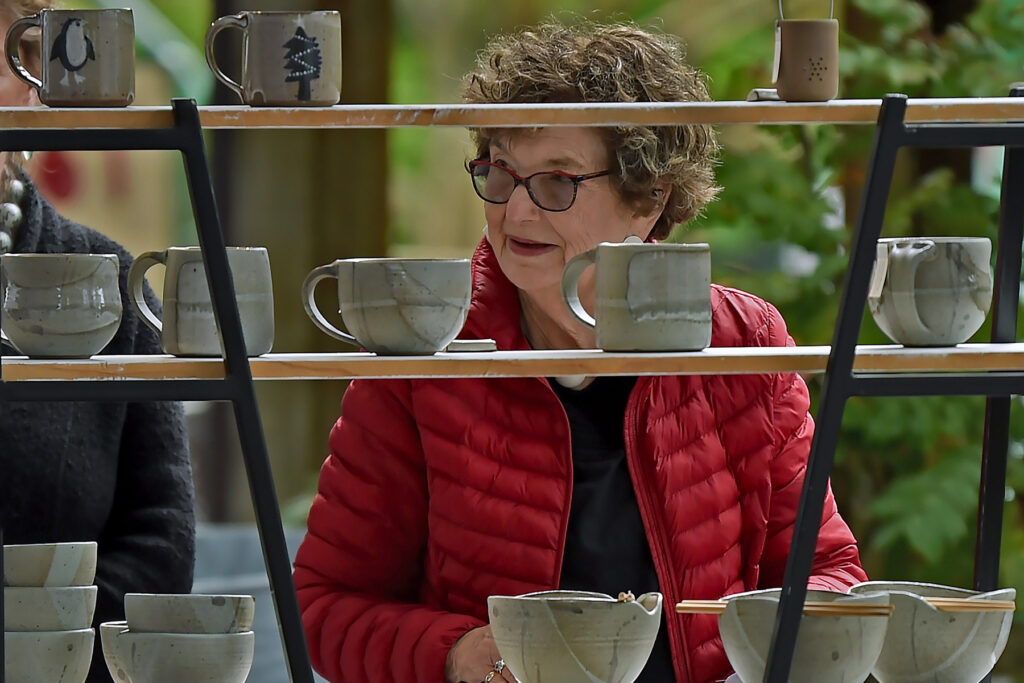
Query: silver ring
{"points": [[499, 665]]}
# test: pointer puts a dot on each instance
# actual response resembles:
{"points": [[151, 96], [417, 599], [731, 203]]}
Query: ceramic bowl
{"points": [[167, 613], [50, 564], [925, 644], [574, 637], [48, 656], [49, 609], [838, 649], [175, 657]]}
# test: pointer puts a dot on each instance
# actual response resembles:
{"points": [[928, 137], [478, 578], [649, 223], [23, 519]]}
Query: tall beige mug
{"points": [[189, 327], [648, 297], [806, 59], [88, 56], [288, 58]]}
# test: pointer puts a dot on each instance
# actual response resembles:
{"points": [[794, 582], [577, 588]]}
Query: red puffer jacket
{"points": [[438, 493]]}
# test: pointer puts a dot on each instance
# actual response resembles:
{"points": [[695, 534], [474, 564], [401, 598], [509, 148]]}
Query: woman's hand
{"points": [[473, 656]]}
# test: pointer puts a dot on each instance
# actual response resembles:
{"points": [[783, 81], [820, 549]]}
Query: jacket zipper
{"points": [[655, 536], [556, 580]]}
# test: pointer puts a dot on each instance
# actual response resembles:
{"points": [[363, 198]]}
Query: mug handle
{"points": [[136, 277], [12, 48], [903, 262], [239, 21], [309, 289], [571, 284]]}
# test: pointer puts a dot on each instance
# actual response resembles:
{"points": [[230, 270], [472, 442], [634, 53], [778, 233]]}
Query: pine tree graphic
{"points": [[304, 61]]}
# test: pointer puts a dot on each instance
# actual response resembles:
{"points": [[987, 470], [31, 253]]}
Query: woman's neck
{"points": [[548, 323]]}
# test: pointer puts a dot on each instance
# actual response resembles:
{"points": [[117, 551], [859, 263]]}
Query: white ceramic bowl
{"points": [[167, 613], [48, 656], [925, 644], [574, 637], [49, 609], [175, 657], [50, 564], [838, 649]]}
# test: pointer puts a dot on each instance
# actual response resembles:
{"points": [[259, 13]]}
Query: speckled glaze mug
{"points": [[87, 56], [288, 58], [60, 305], [931, 291], [648, 297], [395, 306], [189, 327]]}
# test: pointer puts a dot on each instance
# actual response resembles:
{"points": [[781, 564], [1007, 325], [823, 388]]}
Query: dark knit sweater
{"points": [[115, 473]]}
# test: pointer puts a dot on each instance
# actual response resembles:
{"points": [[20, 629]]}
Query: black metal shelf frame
{"points": [[186, 136], [841, 382]]}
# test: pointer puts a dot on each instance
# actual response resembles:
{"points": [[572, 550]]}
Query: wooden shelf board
{"points": [[919, 110], [306, 366]]}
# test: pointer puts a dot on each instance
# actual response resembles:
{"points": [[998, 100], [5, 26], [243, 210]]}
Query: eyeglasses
{"points": [[550, 190]]}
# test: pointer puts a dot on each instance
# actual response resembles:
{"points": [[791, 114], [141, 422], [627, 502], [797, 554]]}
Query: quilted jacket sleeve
{"points": [[836, 559], [358, 570]]}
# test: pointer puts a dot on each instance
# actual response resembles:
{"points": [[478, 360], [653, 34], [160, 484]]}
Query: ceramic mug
{"points": [[648, 297], [88, 56], [60, 305], [931, 291], [395, 306], [806, 65], [189, 327], [288, 58]]}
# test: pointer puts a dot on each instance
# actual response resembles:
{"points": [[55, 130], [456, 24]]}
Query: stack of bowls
{"points": [[941, 634], [176, 638], [49, 601]]}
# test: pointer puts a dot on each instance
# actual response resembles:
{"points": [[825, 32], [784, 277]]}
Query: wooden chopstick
{"points": [[969, 605], [812, 608]]}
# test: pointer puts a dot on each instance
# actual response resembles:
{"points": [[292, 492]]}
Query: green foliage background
{"points": [[907, 469]]}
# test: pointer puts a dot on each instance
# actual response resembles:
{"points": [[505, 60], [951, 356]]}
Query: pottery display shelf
{"points": [[864, 111], [712, 361]]}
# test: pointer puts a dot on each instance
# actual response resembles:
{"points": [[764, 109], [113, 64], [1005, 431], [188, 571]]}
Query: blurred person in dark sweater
{"points": [[115, 473]]}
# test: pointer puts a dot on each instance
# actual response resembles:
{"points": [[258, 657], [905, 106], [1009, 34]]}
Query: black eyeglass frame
{"points": [[520, 180]]}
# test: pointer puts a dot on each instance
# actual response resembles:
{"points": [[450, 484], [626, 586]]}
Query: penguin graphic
{"points": [[73, 48]]}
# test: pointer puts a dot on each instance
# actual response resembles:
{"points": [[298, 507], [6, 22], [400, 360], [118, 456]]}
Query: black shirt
{"points": [[606, 547]]}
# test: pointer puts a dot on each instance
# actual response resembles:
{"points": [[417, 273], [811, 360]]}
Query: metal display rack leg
{"points": [[186, 136], [841, 382]]}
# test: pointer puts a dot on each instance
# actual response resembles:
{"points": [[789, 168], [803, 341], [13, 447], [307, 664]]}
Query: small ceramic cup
{"points": [[648, 297], [60, 305], [87, 56], [189, 327], [56, 608], [191, 613], [395, 306], [48, 656], [931, 291], [175, 657], [50, 564], [288, 58]]}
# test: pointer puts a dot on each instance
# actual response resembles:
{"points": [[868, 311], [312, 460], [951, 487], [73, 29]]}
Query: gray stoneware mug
{"points": [[649, 297], [60, 305], [395, 306], [288, 58], [88, 56], [189, 327], [931, 291]]}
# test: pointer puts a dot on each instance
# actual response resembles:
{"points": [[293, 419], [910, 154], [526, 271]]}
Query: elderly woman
{"points": [[438, 493], [115, 473]]}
